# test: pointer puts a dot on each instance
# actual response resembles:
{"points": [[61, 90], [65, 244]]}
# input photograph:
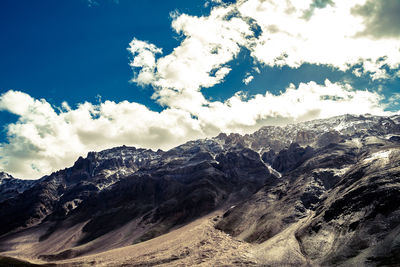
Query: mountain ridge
{"points": [[266, 183]]}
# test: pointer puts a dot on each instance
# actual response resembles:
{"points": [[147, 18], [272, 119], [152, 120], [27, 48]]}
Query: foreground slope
{"points": [[324, 192], [195, 244]]}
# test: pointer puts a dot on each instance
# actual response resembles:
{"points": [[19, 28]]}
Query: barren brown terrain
{"points": [[195, 244]]}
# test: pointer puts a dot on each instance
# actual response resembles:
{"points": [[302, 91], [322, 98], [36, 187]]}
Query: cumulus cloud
{"points": [[144, 58], [199, 61], [329, 35], [276, 33], [338, 33], [308, 101], [47, 138]]}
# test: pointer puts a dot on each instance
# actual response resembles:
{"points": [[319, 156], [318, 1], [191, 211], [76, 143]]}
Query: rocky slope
{"points": [[137, 193], [11, 187], [324, 192], [347, 189]]}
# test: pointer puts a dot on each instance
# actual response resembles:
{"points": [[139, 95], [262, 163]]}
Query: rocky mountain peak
{"points": [[4, 175], [11, 187]]}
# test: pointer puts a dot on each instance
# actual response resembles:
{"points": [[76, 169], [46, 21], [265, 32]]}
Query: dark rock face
{"points": [[11, 187], [157, 190], [166, 197], [365, 207], [346, 191], [395, 139], [334, 183], [268, 157], [291, 158], [331, 137]]}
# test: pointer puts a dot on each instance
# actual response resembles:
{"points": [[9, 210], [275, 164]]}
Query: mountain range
{"points": [[317, 193]]}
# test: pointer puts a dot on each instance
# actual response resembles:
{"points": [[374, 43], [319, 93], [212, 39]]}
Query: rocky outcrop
{"points": [[291, 158], [11, 187]]}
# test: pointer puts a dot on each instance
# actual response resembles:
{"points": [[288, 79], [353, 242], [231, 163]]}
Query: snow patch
{"points": [[336, 171], [380, 155], [273, 171], [71, 205]]}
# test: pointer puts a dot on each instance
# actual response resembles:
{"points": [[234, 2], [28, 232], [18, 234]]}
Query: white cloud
{"points": [[277, 33], [329, 36], [199, 62], [144, 58], [394, 100], [308, 101], [207, 3], [44, 140], [248, 79]]}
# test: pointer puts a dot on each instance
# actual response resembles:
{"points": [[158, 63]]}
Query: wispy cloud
{"points": [[94, 3]]}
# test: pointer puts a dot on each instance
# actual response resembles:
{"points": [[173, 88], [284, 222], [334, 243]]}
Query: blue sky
{"points": [[70, 50], [76, 51]]}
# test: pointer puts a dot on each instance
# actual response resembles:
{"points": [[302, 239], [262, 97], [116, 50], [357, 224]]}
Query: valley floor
{"points": [[196, 244]]}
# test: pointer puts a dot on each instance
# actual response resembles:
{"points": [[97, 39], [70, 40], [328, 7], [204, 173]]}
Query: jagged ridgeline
{"points": [[324, 192]]}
